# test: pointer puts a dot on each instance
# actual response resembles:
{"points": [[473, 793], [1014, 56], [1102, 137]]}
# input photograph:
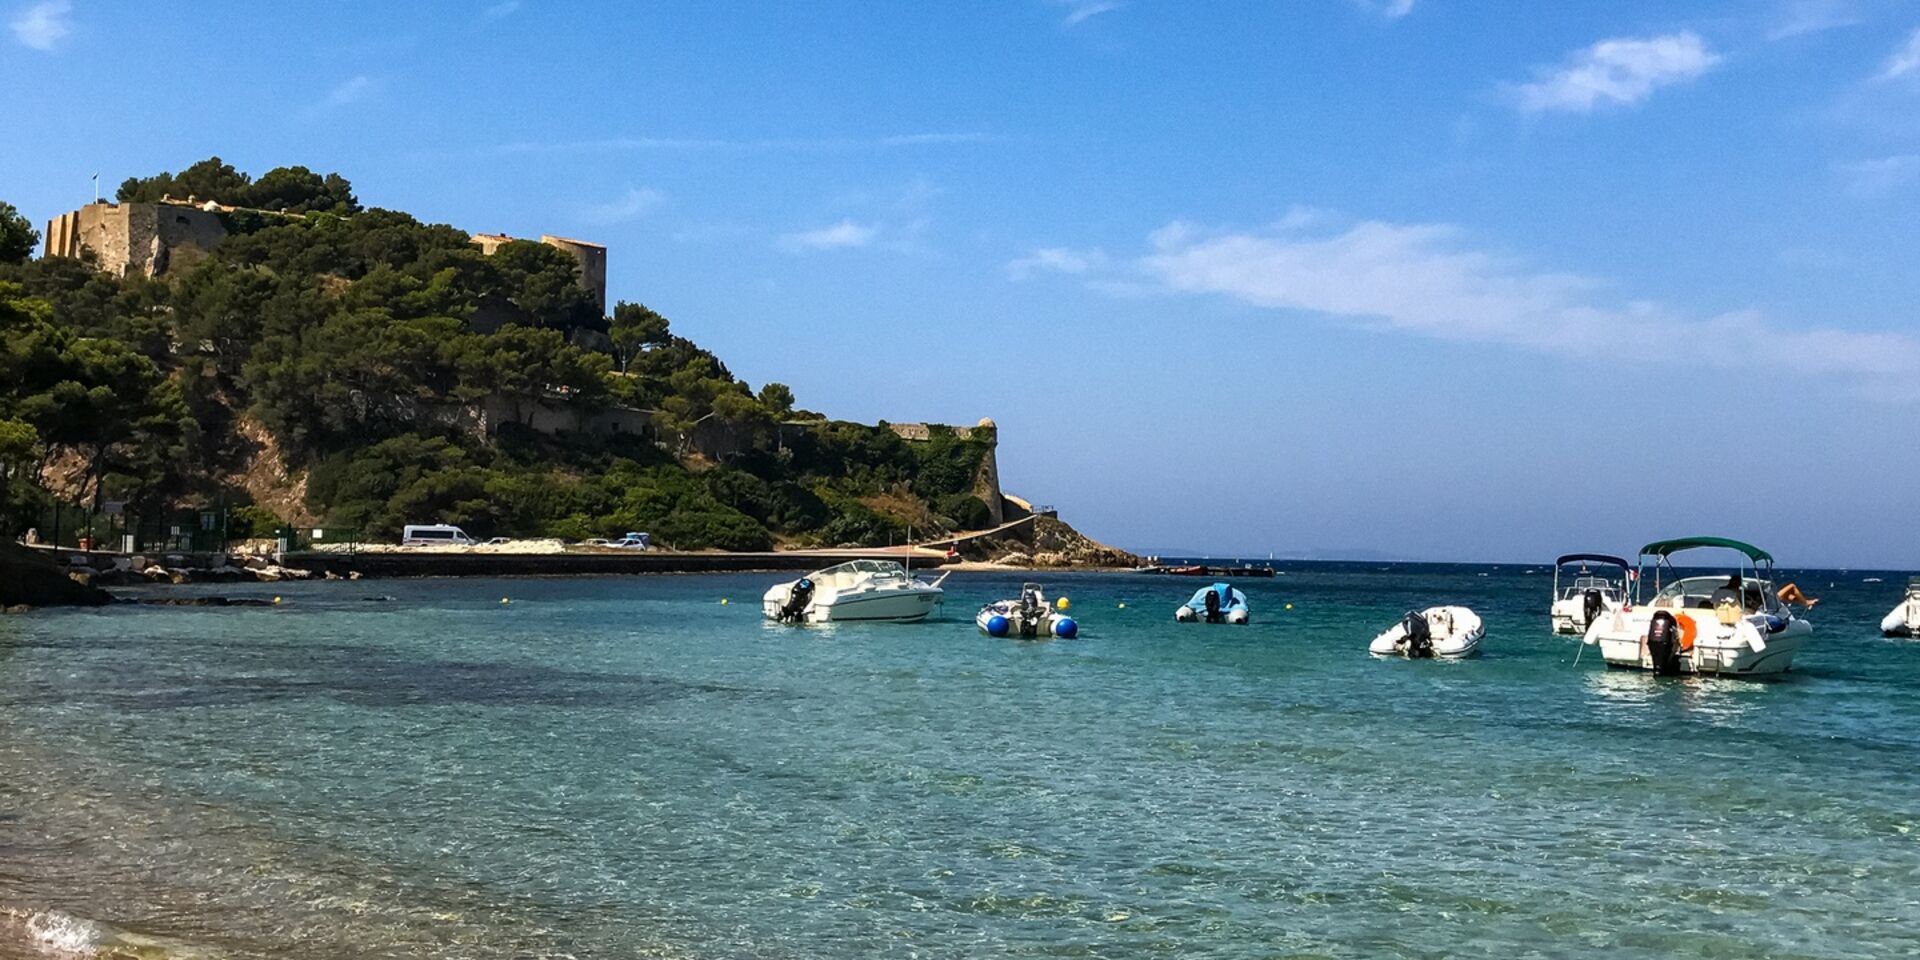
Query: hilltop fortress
{"points": [[149, 239]]}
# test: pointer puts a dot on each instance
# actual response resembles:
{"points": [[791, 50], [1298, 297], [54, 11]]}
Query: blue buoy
{"points": [[998, 626], [1065, 628]]}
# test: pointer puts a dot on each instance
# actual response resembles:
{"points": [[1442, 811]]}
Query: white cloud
{"points": [[1878, 177], [1905, 60], [1620, 71], [1055, 260], [351, 90], [1798, 17], [1398, 8], [499, 10], [1426, 280], [43, 25], [840, 236], [635, 202], [1079, 11]]}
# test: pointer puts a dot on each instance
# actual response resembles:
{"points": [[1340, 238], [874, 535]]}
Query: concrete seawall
{"points": [[449, 564]]}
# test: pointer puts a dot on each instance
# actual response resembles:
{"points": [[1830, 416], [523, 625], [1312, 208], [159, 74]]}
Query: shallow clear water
{"points": [[626, 767]]}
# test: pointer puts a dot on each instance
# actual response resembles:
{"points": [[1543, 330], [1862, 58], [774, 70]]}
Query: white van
{"points": [[431, 534]]}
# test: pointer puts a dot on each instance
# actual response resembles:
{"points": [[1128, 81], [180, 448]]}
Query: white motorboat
{"points": [[1732, 625], [1028, 616], [1220, 603], [1904, 621], [856, 590], [1587, 594], [1444, 632]]}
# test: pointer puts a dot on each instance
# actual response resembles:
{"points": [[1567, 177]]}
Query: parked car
{"points": [[497, 541], [429, 534], [595, 542], [634, 541]]}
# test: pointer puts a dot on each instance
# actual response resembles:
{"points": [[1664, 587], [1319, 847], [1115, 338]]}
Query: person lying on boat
{"points": [[1791, 594]]}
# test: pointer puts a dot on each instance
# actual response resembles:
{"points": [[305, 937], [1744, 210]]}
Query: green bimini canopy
{"points": [[1665, 548]]}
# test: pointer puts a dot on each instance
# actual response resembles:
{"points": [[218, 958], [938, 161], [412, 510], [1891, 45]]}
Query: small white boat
{"points": [[1587, 594], [1028, 616], [1904, 621], [1445, 632], [872, 590], [1220, 603], [1729, 625]]}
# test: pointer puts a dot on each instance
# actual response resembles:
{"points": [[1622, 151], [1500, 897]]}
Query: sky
{"points": [[1489, 280]]}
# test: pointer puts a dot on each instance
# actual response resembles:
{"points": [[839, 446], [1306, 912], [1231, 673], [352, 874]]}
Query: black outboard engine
{"points": [[1419, 638], [797, 600], [1663, 644], [1213, 606], [1591, 604]]}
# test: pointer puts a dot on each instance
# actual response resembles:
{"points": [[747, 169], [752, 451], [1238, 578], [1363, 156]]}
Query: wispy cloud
{"points": [[43, 25], [1904, 60], [824, 144], [839, 236], [628, 206], [1868, 179], [1622, 71], [1056, 260], [1390, 9], [1080, 11], [1800, 17], [500, 10], [1427, 280], [351, 90]]}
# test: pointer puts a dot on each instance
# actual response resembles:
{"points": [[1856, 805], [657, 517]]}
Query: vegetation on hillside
{"points": [[361, 339]]}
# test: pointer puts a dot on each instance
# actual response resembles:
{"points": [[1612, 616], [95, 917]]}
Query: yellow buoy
{"points": [[1123, 606], [1289, 606], [723, 601], [276, 599], [1062, 603], [505, 600]]}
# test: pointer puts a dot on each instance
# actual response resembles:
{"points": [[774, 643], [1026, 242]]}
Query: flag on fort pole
{"points": [[96, 188]]}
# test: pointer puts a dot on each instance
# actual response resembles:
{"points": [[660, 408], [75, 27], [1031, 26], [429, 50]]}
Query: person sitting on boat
{"points": [[1727, 594]]}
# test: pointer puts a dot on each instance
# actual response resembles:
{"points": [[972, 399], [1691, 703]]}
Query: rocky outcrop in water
{"points": [[30, 578]]}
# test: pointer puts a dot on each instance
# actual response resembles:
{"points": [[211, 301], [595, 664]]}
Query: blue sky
{"points": [[1489, 280]]}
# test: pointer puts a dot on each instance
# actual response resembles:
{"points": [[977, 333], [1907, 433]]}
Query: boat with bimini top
{"points": [[1587, 593], [1732, 624]]}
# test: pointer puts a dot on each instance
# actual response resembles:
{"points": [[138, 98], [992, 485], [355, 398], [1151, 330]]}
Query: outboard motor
{"points": [[1663, 644], [1213, 606], [1591, 604], [1419, 638], [797, 600]]}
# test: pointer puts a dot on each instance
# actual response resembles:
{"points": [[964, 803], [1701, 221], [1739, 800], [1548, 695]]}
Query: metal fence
{"points": [[214, 529]]}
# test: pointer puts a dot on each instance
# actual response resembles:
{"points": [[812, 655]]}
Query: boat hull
{"points": [[1461, 641], [878, 606], [1718, 650], [1903, 622]]}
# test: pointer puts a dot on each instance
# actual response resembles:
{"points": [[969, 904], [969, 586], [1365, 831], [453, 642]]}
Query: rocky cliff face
{"points": [[29, 578]]}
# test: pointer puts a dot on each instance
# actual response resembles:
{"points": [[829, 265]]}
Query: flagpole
{"points": [[96, 188]]}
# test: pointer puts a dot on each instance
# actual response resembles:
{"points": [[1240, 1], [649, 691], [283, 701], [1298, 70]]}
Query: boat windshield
{"points": [[1607, 588], [1698, 593], [860, 571]]}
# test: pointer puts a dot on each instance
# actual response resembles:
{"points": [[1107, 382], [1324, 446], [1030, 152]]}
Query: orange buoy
{"points": [[1688, 630]]}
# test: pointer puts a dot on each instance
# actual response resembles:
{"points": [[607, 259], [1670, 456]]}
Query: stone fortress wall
{"points": [[148, 239], [136, 239]]}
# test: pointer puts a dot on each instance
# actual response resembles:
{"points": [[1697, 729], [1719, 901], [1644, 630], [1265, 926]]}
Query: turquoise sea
{"points": [[629, 768]]}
